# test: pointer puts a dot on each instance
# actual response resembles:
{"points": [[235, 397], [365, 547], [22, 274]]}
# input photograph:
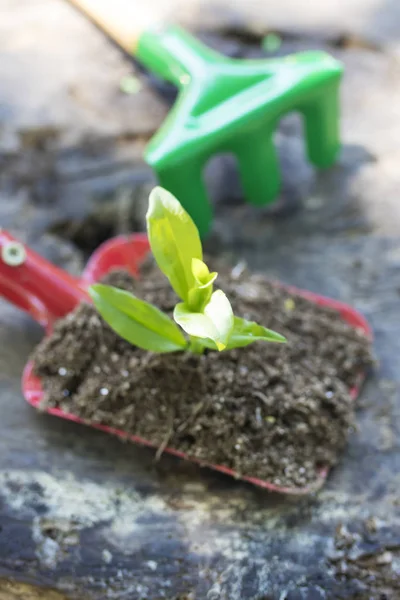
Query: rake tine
{"points": [[321, 117], [258, 167], [186, 182]]}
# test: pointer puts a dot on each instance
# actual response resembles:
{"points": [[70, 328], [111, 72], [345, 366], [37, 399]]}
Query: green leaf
{"points": [[201, 273], [246, 332], [137, 321], [174, 240], [219, 311], [215, 323], [200, 294], [194, 323]]}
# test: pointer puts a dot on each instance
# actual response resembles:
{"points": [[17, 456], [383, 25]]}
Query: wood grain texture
{"points": [[11, 590]]}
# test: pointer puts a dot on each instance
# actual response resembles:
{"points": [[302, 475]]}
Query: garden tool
{"points": [[225, 106], [47, 293]]}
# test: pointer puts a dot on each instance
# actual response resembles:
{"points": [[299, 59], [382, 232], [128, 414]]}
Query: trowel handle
{"points": [[167, 51], [35, 285]]}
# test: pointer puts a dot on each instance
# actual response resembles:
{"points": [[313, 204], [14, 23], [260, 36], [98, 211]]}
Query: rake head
{"points": [[233, 105]]}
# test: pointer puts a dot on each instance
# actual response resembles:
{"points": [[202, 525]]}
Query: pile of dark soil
{"points": [[276, 412]]}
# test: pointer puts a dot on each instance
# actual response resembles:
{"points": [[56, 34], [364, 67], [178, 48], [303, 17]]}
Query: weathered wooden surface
{"points": [[97, 518], [13, 590]]}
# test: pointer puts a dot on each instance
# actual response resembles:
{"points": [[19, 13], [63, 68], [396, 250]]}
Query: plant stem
{"points": [[195, 346]]}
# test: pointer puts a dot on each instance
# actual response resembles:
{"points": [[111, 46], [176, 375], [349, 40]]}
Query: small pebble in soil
{"points": [[274, 412]]}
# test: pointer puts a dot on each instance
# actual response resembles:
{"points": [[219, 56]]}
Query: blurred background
{"points": [[75, 115]]}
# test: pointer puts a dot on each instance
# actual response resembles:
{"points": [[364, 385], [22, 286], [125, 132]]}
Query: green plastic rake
{"points": [[226, 106]]}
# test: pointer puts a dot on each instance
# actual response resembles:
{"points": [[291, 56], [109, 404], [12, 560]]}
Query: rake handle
{"points": [[117, 18], [167, 51]]}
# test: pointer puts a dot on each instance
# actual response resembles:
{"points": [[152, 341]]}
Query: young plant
{"points": [[205, 315]]}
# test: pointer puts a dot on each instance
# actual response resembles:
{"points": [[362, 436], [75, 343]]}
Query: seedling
{"points": [[205, 315]]}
